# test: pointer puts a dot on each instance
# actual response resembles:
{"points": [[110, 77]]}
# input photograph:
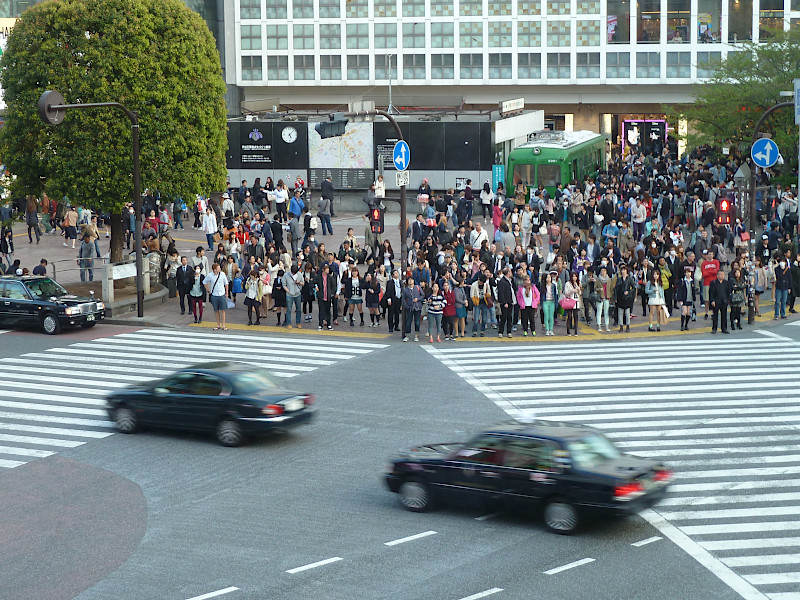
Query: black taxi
{"points": [[564, 469], [39, 301]]}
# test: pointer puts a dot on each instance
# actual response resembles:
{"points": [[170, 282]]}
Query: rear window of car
{"points": [[592, 450], [253, 382]]}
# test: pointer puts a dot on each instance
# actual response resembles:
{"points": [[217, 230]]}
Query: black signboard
{"points": [[255, 143], [233, 157], [290, 145], [342, 179]]}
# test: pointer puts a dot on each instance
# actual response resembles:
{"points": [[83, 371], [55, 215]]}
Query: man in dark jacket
{"points": [[505, 297], [327, 192], [719, 297], [326, 292], [393, 300], [276, 228], [624, 295], [184, 279]]}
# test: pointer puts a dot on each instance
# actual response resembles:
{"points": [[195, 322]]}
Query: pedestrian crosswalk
{"points": [[724, 413], [54, 399]]}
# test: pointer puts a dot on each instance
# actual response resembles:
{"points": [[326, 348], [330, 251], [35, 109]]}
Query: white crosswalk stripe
{"points": [[55, 399], [724, 413]]}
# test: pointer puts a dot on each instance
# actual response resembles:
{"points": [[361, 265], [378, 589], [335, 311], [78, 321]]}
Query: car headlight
{"points": [[101, 306], [73, 310]]}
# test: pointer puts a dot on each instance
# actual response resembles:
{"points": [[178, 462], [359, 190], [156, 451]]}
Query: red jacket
{"points": [[449, 308], [709, 269]]}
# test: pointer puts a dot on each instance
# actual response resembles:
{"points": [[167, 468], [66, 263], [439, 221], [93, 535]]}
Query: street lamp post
{"points": [[52, 111]]}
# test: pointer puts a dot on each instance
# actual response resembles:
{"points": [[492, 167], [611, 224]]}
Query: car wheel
{"points": [[89, 325], [415, 496], [125, 420], [561, 517], [229, 433], [50, 324]]}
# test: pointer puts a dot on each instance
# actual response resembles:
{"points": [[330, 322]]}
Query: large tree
{"points": [[745, 84], [156, 57]]}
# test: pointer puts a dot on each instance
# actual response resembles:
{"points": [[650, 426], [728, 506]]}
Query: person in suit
{"points": [[418, 229], [327, 192], [505, 297], [184, 279], [720, 299], [392, 298]]}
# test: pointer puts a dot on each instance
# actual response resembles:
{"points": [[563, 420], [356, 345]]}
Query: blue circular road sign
{"points": [[764, 153], [401, 156]]}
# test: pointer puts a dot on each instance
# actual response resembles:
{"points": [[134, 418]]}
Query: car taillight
{"points": [[309, 399], [628, 491], [663, 475], [272, 410]]}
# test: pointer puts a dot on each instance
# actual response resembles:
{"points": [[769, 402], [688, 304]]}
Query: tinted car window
{"points": [[483, 450], [592, 450], [46, 288], [529, 454], [16, 291], [253, 382], [206, 385], [180, 383]]}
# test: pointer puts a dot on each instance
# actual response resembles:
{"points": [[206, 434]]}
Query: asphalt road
{"points": [[161, 515]]}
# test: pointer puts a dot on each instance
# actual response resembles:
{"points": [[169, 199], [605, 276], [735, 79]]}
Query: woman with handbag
{"points": [[571, 302], [423, 195], [655, 301], [254, 291], [738, 295]]}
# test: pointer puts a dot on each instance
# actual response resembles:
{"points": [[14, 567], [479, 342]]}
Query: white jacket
{"points": [[210, 223]]}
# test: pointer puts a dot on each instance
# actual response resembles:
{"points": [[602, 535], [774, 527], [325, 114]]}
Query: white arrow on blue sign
{"points": [[401, 156], [764, 153]]}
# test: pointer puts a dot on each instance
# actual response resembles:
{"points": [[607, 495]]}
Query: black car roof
{"points": [[541, 428], [24, 277]]}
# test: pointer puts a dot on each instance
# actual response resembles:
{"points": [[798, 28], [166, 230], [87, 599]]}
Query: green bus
{"points": [[553, 157]]}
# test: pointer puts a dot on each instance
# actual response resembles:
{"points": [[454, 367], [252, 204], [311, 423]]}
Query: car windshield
{"points": [[252, 382], [592, 451], [46, 288]]}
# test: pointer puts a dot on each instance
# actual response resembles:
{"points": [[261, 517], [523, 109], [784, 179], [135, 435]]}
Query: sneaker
{"points": [[509, 335], [416, 338], [628, 329], [533, 333], [329, 328], [525, 333], [405, 339], [298, 326], [319, 328], [620, 328], [599, 329], [474, 334], [335, 322], [501, 335], [289, 326], [607, 329]]}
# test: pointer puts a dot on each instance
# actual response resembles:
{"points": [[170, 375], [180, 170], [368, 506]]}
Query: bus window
{"points": [[523, 172], [575, 168], [549, 175]]}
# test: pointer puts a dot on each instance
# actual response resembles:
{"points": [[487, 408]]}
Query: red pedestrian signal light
{"points": [[724, 210], [724, 206], [376, 220]]}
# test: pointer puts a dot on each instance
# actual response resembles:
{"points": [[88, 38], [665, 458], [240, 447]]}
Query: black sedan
{"points": [[38, 301], [234, 400], [565, 470]]}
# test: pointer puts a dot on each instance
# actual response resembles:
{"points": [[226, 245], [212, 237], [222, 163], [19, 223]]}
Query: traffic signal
{"points": [[333, 127], [376, 220], [724, 209]]}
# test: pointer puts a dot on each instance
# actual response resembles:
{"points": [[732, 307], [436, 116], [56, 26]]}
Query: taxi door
{"points": [[471, 475], [18, 306], [529, 471]]}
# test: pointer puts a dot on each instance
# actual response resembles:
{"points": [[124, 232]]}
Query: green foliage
{"points": [[156, 57], [744, 85]]}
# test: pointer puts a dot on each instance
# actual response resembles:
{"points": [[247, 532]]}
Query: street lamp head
{"points": [[48, 114]]}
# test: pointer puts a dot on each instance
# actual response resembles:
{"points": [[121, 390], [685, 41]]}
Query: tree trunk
{"points": [[117, 237]]}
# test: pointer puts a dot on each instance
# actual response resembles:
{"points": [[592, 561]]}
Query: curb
{"points": [[137, 323]]}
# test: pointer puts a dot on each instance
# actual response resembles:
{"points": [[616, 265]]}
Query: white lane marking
{"points": [[54, 430], [562, 399], [690, 442], [658, 433], [760, 561], [52, 408], [785, 595], [410, 538], [320, 563], [572, 565], [120, 366], [716, 500], [51, 419], [676, 423], [40, 441], [25, 374], [773, 335], [227, 590], [559, 390], [701, 555], [2, 331], [487, 517], [735, 461], [482, 594], [10, 464], [542, 407], [773, 578], [744, 412], [733, 486], [732, 513], [124, 361], [69, 394], [360, 347], [740, 527], [750, 544], [649, 540], [657, 345], [25, 452], [710, 451]]}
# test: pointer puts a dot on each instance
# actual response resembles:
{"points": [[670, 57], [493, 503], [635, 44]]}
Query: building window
{"points": [[414, 35], [679, 65], [709, 21], [558, 65], [529, 34], [330, 36], [442, 66], [678, 21], [413, 8], [357, 8], [251, 68], [278, 67], [442, 8], [385, 8], [587, 33], [471, 35], [276, 9], [329, 9], [587, 65], [386, 35], [385, 66], [500, 66], [358, 67], [277, 37], [304, 67], [251, 37], [529, 66], [472, 66], [251, 9], [442, 35], [529, 7], [649, 29], [357, 35], [770, 16], [500, 8], [558, 34], [414, 66], [618, 65], [648, 65], [619, 22], [499, 34], [470, 8], [588, 7], [330, 67], [303, 37], [558, 7], [303, 9], [707, 63], [740, 20]]}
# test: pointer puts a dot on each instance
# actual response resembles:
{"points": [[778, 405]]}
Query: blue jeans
{"points": [[480, 312], [781, 297], [434, 324], [411, 315], [326, 222], [297, 303], [210, 240]]}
